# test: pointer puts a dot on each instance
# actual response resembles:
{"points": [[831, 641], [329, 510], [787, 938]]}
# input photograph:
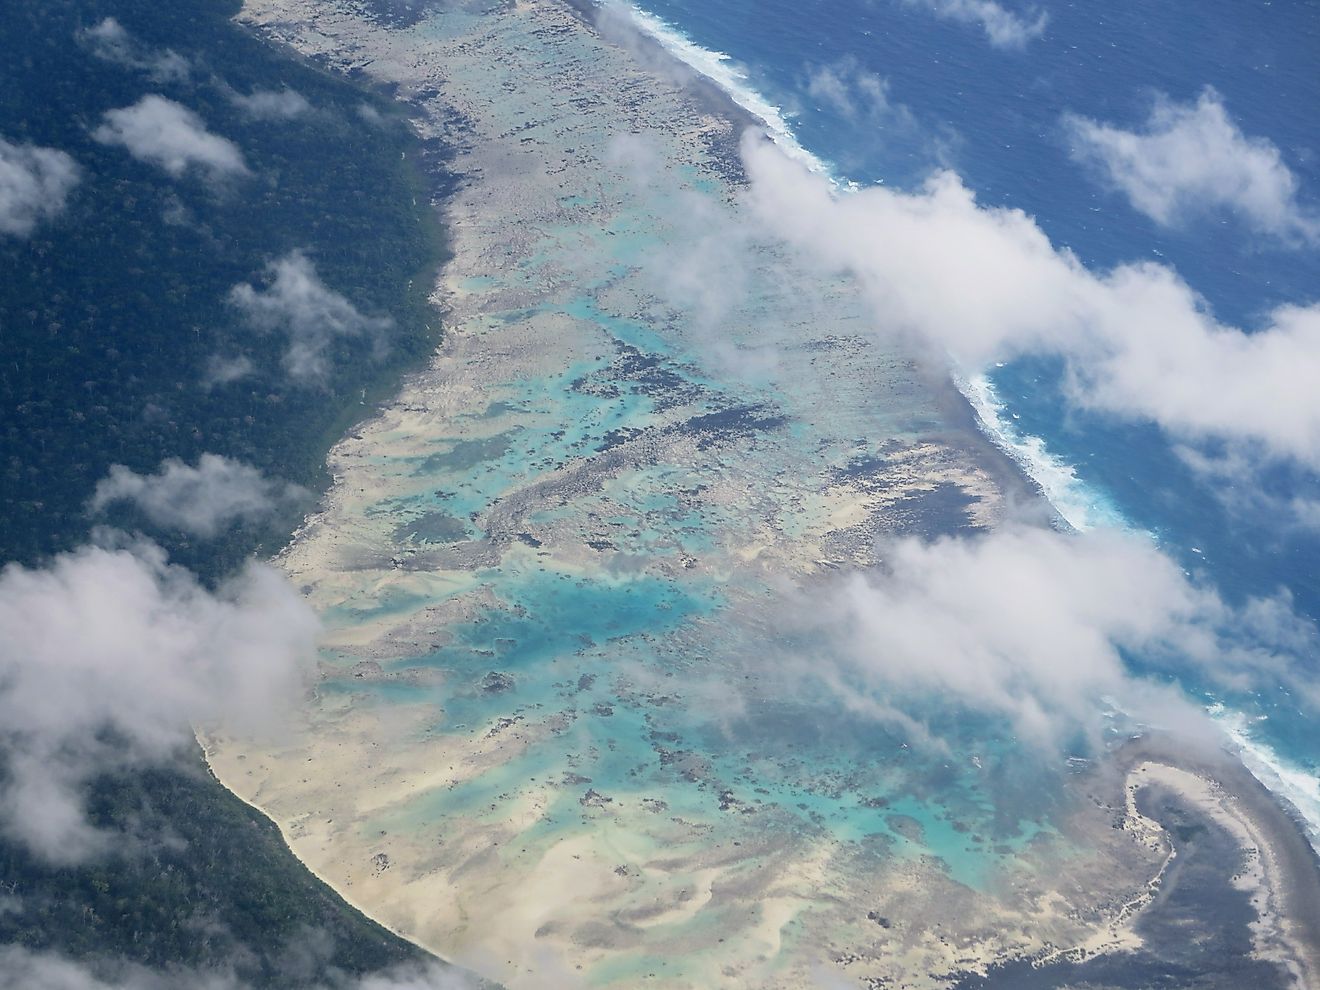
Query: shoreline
{"points": [[1234, 887], [1291, 864], [957, 417], [964, 425], [204, 743], [709, 95]]}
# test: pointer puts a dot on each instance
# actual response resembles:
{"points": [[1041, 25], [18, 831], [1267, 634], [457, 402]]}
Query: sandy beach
{"points": [[541, 565]]}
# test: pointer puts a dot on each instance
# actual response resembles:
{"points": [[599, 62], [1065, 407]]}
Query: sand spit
{"points": [[1229, 901], [542, 746], [1280, 870]]}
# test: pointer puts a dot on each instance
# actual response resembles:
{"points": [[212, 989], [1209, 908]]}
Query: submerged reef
{"points": [[562, 696]]}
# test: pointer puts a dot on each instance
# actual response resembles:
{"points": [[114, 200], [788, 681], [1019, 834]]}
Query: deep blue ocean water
{"points": [[995, 116]]}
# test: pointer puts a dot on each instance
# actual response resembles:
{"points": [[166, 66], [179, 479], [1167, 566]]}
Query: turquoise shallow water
{"points": [[996, 115], [664, 693], [561, 577], [636, 664], [617, 657], [636, 661]]}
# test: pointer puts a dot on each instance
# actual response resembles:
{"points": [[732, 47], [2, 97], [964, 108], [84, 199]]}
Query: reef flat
{"points": [[1234, 904], [559, 736]]}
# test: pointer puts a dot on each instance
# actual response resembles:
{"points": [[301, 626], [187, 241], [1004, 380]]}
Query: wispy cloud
{"points": [[222, 370], [422, 977], [296, 301], [201, 500], [34, 185], [1003, 28], [168, 135], [1249, 487], [986, 284], [879, 123], [110, 41], [271, 104], [110, 654], [854, 93], [1191, 159], [25, 969]]}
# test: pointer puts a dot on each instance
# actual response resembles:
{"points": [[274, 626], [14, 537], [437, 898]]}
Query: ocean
{"points": [[941, 95], [575, 705]]}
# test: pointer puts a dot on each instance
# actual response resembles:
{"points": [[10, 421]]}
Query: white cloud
{"points": [[271, 104], [853, 92], [422, 977], [24, 969], [1003, 28], [1032, 625], [299, 303], [109, 655], [170, 136], [110, 41], [985, 284], [201, 500], [34, 185], [222, 370], [1191, 159], [864, 100]]}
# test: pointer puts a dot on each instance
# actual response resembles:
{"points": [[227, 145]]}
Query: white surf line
{"points": [[1299, 788], [725, 73], [1082, 506]]}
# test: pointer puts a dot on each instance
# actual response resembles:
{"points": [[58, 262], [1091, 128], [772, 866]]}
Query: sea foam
{"points": [[725, 73], [1298, 787], [1084, 507]]}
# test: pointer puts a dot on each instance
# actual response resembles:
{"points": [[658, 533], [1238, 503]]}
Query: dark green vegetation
{"points": [[109, 315], [206, 884]]}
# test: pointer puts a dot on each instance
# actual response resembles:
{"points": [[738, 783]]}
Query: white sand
{"points": [[505, 891]]}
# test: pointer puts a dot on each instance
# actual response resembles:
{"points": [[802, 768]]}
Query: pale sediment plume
{"points": [[541, 746]]}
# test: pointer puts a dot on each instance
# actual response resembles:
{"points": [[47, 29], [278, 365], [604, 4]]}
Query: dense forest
{"points": [[114, 317], [202, 882]]}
